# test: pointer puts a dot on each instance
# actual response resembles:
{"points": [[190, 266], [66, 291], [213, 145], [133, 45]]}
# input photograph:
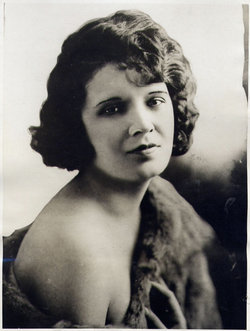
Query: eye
{"points": [[109, 110], [155, 102]]}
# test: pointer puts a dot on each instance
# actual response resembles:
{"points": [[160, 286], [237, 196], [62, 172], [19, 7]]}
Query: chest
{"points": [[120, 293], [110, 273], [112, 268], [108, 288]]}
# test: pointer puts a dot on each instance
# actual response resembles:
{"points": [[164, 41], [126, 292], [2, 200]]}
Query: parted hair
{"points": [[129, 39]]}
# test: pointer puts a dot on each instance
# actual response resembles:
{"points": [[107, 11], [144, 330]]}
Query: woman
{"points": [[117, 246]]}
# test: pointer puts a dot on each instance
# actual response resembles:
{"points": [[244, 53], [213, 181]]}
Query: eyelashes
{"points": [[112, 109], [156, 101], [119, 108]]}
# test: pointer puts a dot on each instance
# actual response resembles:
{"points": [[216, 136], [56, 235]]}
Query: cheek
{"points": [[92, 131], [166, 124], [103, 135]]}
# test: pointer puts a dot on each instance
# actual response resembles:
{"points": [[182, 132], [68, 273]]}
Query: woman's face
{"points": [[130, 127]]}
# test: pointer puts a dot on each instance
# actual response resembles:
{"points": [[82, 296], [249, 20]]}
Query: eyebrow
{"points": [[118, 99], [108, 100], [165, 92]]}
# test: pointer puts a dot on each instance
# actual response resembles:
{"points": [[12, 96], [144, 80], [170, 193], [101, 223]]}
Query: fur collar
{"points": [[171, 232]]}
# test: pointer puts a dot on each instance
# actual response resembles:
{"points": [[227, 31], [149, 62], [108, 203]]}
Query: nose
{"points": [[140, 121]]}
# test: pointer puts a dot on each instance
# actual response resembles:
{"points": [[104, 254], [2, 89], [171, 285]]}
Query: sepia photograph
{"points": [[124, 164]]}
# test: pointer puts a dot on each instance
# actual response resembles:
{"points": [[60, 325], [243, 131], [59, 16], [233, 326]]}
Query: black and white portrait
{"points": [[124, 164]]}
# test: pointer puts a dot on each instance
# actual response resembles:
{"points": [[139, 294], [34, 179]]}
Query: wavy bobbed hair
{"points": [[130, 40]]}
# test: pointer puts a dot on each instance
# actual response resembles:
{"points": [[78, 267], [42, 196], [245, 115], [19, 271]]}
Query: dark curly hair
{"points": [[130, 40]]}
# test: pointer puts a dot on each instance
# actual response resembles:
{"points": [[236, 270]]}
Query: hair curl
{"points": [[130, 40]]}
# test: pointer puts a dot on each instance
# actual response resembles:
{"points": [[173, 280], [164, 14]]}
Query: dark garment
{"points": [[170, 281]]}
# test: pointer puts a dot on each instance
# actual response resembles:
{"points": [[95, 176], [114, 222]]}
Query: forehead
{"points": [[110, 81]]}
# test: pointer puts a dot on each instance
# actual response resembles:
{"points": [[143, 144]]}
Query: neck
{"points": [[117, 197]]}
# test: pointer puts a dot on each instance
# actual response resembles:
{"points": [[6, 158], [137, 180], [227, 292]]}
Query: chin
{"points": [[148, 171]]}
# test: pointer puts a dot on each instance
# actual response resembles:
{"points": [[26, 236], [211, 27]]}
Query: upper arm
{"points": [[63, 279]]}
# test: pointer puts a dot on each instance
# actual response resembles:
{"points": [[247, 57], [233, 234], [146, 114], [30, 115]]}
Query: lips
{"points": [[144, 148]]}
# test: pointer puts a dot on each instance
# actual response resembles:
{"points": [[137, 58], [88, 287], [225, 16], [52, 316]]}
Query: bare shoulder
{"points": [[62, 220], [56, 262]]}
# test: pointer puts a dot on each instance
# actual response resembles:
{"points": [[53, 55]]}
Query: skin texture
{"points": [[78, 252]]}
